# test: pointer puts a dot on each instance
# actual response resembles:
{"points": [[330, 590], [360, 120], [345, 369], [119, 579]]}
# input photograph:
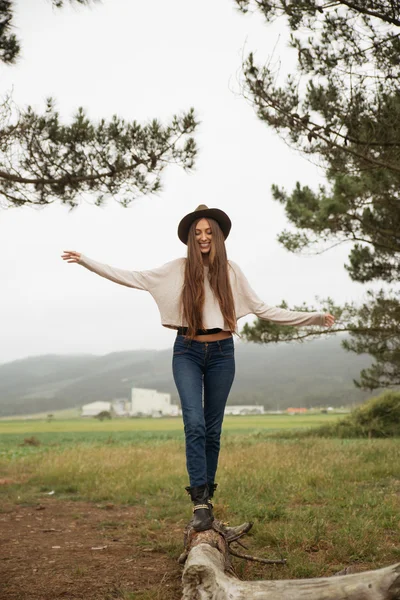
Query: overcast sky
{"points": [[144, 60]]}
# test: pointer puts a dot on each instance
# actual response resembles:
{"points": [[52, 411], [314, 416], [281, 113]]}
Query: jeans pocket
{"points": [[180, 347], [227, 349]]}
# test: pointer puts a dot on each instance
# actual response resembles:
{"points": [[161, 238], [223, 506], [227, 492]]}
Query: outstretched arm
{"points": [[292, 317], [134, 279], [251, 303]]}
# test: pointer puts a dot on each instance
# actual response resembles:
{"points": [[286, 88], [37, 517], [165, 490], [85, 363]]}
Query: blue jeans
{"points": [[198, 367]]}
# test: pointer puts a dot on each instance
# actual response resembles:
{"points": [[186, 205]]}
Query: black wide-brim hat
{"points": [[203, 212]]}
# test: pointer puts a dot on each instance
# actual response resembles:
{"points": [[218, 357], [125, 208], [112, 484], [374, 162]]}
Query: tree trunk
{"points": [[208, 575]]}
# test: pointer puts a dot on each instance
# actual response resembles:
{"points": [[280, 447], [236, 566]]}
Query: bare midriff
{"points": [[213, 337]]}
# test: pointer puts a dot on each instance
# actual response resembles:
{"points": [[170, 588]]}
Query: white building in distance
{"points": [[120, 407], [95, 408], [246, 409], [151, 403]]}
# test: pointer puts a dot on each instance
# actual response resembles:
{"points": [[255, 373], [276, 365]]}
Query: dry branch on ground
{"points": [[208, 575]]}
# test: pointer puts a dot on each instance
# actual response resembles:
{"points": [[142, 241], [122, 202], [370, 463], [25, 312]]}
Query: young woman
{"points": [[202, 296]]}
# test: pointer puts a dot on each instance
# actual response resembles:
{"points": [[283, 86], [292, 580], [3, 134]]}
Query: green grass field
{"points": [[263, 422], [322, 504], [58, 434]]}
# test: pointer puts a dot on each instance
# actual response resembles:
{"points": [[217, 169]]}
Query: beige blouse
{"points": [[165, 285]]}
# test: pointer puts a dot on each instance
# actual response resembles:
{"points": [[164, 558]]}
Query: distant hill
{"points": [[317, 373]]}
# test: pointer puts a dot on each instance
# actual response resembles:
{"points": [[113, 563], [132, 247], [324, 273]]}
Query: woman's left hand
{"points": [[329, 320]]}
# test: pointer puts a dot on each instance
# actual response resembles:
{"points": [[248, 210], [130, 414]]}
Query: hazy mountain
{"points": [[317, 373]]}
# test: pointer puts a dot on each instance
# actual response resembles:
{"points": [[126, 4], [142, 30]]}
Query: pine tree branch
{"points": [[314, 130], [365, 11], [69, 178]]}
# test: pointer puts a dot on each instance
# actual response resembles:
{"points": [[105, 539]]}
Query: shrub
{"points": [[378, 417], [104, 414], [31, 441]]}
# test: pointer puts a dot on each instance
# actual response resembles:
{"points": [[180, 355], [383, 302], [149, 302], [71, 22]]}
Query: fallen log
{"points": [[208, 575]]}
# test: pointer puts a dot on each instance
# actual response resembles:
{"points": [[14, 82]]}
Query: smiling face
{"points": [[203, 235]]}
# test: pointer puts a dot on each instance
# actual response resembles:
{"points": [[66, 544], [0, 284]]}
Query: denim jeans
{"points": [[203, 374]]}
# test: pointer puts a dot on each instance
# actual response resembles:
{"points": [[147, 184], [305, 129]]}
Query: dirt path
{"points": [[71, 550]]}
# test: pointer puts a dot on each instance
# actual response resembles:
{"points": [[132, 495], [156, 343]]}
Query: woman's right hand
{"points": [[71, 256]]}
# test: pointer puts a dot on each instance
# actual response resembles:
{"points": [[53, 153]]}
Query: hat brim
{"points": [[213, 213]]}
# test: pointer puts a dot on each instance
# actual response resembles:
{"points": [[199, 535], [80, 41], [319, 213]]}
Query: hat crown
{"points": [[201, 207]]}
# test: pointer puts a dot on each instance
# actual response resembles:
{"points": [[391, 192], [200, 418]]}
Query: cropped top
{"points": [[165, 285]]}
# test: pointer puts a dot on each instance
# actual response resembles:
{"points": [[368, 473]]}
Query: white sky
{"points": [[142, 60]]}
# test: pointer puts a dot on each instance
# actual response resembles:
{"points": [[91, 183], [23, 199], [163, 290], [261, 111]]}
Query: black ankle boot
{"points": [[202, 515], [211, 489], [231, 533]]}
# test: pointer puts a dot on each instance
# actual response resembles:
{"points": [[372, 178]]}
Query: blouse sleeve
{"points": [[251, 303], [141, 280]]}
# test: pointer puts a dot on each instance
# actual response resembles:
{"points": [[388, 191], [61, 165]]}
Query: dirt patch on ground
{"points": [[70, 550]]}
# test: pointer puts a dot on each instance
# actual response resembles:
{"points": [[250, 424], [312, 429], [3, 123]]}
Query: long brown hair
{"points": [[193, 288]]}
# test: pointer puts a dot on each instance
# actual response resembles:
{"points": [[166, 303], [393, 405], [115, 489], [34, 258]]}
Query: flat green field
{"points": [[262, 422], [58, 434]]}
